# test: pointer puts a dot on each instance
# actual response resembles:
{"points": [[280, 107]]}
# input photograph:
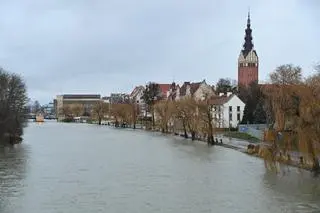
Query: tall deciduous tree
{"points": [[225, 85], [122, 113], [36, 107], [193, 116], [151, 94], [164, 110], [287, 74], [206, 116], [135, 111], [13, 101], [182, 113], [100, 109]]}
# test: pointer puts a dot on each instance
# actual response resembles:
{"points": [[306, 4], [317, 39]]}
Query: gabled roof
{"points": [[136, 90], [193, 87], [164, 88], [220, 100]]}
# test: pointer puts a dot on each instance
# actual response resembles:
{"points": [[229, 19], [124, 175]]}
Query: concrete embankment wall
{"points": [[255, 130]]}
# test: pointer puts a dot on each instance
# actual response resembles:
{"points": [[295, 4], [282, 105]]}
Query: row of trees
{"points": [[187, 115], [13, 110]]}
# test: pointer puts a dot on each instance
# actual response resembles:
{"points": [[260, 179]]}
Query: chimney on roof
{"points": [[229, 93]]}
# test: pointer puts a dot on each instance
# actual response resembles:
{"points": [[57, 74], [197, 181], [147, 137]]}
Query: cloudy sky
{"points": [[103, 46]]}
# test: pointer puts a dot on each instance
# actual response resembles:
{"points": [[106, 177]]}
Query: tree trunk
{"points": [[100, 119], [316, 165], [184, 129], [153, 121], [193, 135], [210, 135]]}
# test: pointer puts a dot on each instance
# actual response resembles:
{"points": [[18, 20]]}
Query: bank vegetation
{"points": [[13, 110]]}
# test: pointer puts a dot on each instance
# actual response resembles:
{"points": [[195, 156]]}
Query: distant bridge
{"points": [[49, 117]]}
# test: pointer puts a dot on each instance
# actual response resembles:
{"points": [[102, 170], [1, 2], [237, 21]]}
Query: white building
{"points": [[137, 96], [227, 110]]}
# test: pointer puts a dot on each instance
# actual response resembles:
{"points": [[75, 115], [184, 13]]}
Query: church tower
{"points": [[248, 62]]}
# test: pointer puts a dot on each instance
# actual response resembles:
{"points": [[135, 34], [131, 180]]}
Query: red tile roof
{"points": [[164, 88]]}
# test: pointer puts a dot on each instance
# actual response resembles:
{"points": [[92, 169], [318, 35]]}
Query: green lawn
{"points": [[241, 135]]}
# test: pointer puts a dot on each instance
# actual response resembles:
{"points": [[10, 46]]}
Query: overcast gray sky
{"points": [[104, 46]]}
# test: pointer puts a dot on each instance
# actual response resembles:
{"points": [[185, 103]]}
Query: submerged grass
{"points": [[242, 136]]}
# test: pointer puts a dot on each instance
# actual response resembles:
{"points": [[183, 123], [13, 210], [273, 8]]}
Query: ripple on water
{"points": [[85, 168]]}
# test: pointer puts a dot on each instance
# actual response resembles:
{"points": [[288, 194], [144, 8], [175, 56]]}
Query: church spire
{"points": [[248, 45]]}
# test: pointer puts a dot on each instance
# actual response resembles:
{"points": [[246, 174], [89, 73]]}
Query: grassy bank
{"points": [[242, 136]]}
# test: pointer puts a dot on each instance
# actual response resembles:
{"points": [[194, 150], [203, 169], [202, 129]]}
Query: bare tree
{"points": [[189, 108], [164, 110], [122, 113], [181, 114], [286, 74], [77, 109], [36, 107], [13, 110], [66, 110], [135, 110], [100, 109], [206, 116]]}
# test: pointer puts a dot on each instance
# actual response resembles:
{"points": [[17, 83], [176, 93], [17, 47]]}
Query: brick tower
{"points": [[248, 62]]}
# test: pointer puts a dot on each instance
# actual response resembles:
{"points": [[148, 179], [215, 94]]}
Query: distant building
{"points": [[118, 98], [164, 89], [197, 90], [137, 96], [87, 100], [55, 107], [227, 110], [248, 61]]}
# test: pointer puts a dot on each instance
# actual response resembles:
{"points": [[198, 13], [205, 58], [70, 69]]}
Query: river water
{"points": [[80, 168]]}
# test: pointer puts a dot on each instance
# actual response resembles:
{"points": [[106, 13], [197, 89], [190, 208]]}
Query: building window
{"points": [[238, 117], [230, 117], [230, 108], [238, 108]]}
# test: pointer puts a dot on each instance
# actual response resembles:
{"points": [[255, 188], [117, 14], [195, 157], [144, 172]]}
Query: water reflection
{"points": [[13, 166], [284, 189]]}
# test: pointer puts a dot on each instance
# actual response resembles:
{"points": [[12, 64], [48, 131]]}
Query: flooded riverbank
{"points": [[87, 168]]}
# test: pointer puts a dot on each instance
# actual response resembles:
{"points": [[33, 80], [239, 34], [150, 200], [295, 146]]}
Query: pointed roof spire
{"points": [[248, 44], [248, 20]]}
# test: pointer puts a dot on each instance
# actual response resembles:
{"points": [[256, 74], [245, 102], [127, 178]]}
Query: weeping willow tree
{"points": [[307, 122], [296, 108], [164, 111]]}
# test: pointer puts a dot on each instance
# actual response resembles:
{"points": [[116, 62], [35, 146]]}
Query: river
{"points": [[80, 168]]}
